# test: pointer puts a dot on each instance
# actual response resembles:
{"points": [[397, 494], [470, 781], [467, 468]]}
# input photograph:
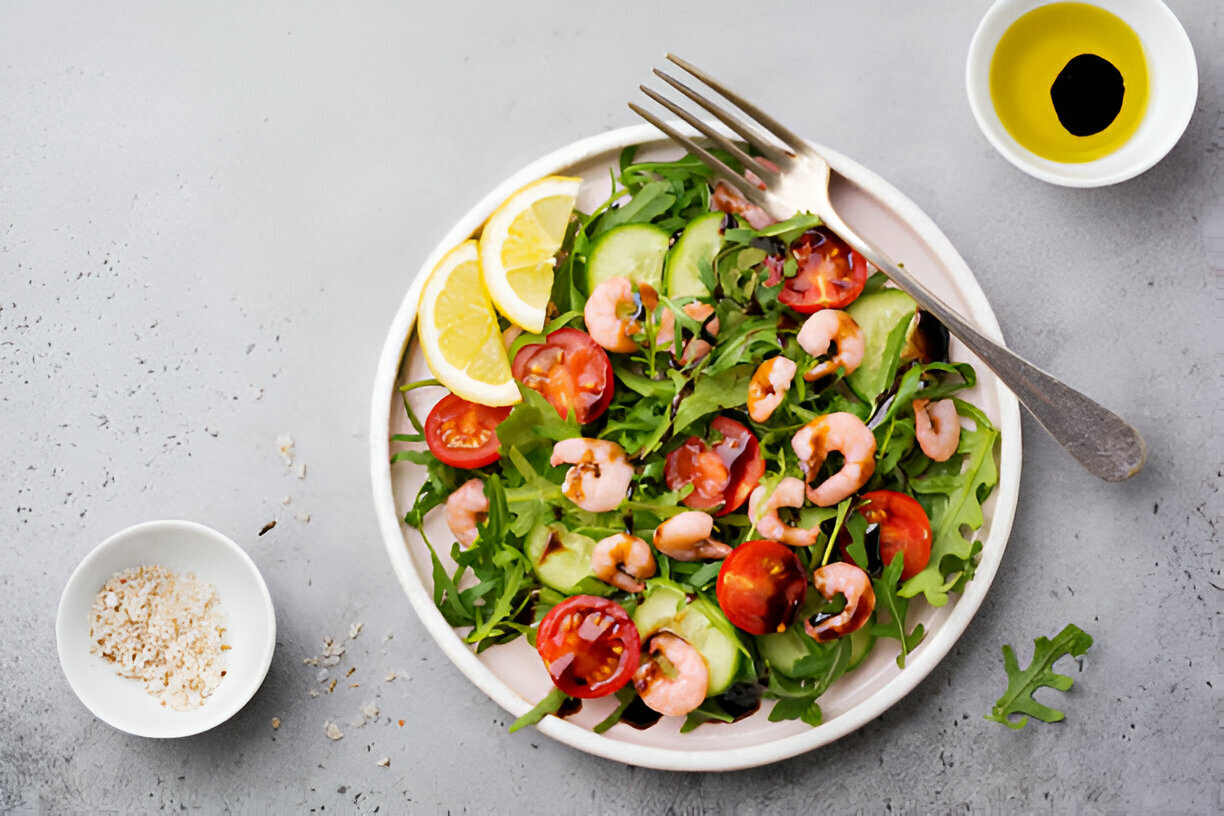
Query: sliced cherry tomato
{"points": [[741, 453], [694, 463], [902, 526], [463, 434], [589, 646], [570, 370], [761, 586], [830, 274], [724, 473]]}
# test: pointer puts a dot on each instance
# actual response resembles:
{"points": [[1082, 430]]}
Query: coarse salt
{"points": [[164, 629]]}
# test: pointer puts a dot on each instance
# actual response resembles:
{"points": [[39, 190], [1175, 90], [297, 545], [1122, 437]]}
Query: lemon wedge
{"points": [[458, 331], [518, 246]]}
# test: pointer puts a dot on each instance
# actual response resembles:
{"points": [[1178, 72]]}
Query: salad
{"points": [[736, 458]]}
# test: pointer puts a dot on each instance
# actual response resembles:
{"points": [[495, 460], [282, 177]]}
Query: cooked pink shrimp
{"points": [[840, 432], [727, 199], [937, 427], [465, 508], [826, 329], [768, 387], [850, 581], [674, 679], [686, 537], [600, 476], [763, 512], [621, 558], [611, 315]]}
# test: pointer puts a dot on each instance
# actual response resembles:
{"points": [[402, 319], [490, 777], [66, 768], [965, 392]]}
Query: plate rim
{"points": [[678, 759]]}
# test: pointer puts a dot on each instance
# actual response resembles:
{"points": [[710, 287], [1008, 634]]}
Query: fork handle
{"points": [[1100, 440]]}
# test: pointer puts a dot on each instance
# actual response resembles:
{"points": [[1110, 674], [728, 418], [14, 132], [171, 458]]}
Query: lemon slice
{"points": [[458, 331], [518, 247]]}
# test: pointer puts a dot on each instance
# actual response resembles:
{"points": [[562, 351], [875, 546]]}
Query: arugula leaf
{"points": [[897, 607], [534, 423], [551, 704], [712, 394], [625, 696], [652, 200], [708, 711], [1018, 698], [954, 501], [797, 696]]}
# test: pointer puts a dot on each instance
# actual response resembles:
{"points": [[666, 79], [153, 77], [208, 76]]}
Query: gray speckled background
{"points": [[207, 219]]}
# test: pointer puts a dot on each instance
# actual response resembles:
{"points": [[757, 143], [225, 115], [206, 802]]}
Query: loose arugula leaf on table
{"points": [[1018, 698], [953, 501]]}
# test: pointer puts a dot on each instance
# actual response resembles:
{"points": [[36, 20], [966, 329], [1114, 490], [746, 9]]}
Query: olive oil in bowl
{"points": [[1069, 82]]}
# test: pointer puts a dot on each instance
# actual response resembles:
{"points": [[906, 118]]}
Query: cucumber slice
{"points": [[698, 245], [861, 642], [667, 608], [562, 560], [782, 650], [884, 317], [633, 250]]}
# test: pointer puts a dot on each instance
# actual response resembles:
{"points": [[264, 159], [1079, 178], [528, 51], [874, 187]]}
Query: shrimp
{"points": [[828, 328], [768, 387], [853, 583], [937, 427], [612, 315], [728, 200], [840, 432], [465, 508], [763, 512], [686, 537], [600, 476], [619, 559], [674, 679]]}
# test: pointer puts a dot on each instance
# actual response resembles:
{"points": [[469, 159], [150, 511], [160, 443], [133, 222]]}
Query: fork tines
{"points": [[780, 158]]}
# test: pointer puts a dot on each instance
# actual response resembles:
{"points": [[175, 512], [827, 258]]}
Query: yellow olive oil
{"points": [[1069, 81]]}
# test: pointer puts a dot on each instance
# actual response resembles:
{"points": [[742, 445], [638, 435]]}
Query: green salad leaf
{"points": [[897, 608], [1018, 698], [953, 502], [551, 704]]}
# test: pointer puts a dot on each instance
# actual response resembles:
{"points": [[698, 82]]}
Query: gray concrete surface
{"points": [[208, 217]]}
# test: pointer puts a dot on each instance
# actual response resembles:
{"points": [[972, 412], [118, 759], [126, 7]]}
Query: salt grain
{"points": [[333, 731], [163, 629], [284, 446]]}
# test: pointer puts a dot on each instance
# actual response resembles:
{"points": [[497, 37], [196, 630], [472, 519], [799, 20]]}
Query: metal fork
{"points": [[1100, 440]]}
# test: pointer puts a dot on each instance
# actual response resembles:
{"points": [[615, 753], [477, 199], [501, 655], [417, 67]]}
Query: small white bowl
{"points": [[246, 606], [1173, 90]]}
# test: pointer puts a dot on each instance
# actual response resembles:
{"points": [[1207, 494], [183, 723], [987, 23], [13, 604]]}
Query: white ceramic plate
{"points": [[247, 614], [513, 675]]}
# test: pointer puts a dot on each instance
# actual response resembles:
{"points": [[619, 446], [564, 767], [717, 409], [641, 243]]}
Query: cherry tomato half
{"points": [[903, 528], [724, 473], [741, 453], [463, 434], [761, 586], [589, 646], [570, 370], [830, 274]]}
